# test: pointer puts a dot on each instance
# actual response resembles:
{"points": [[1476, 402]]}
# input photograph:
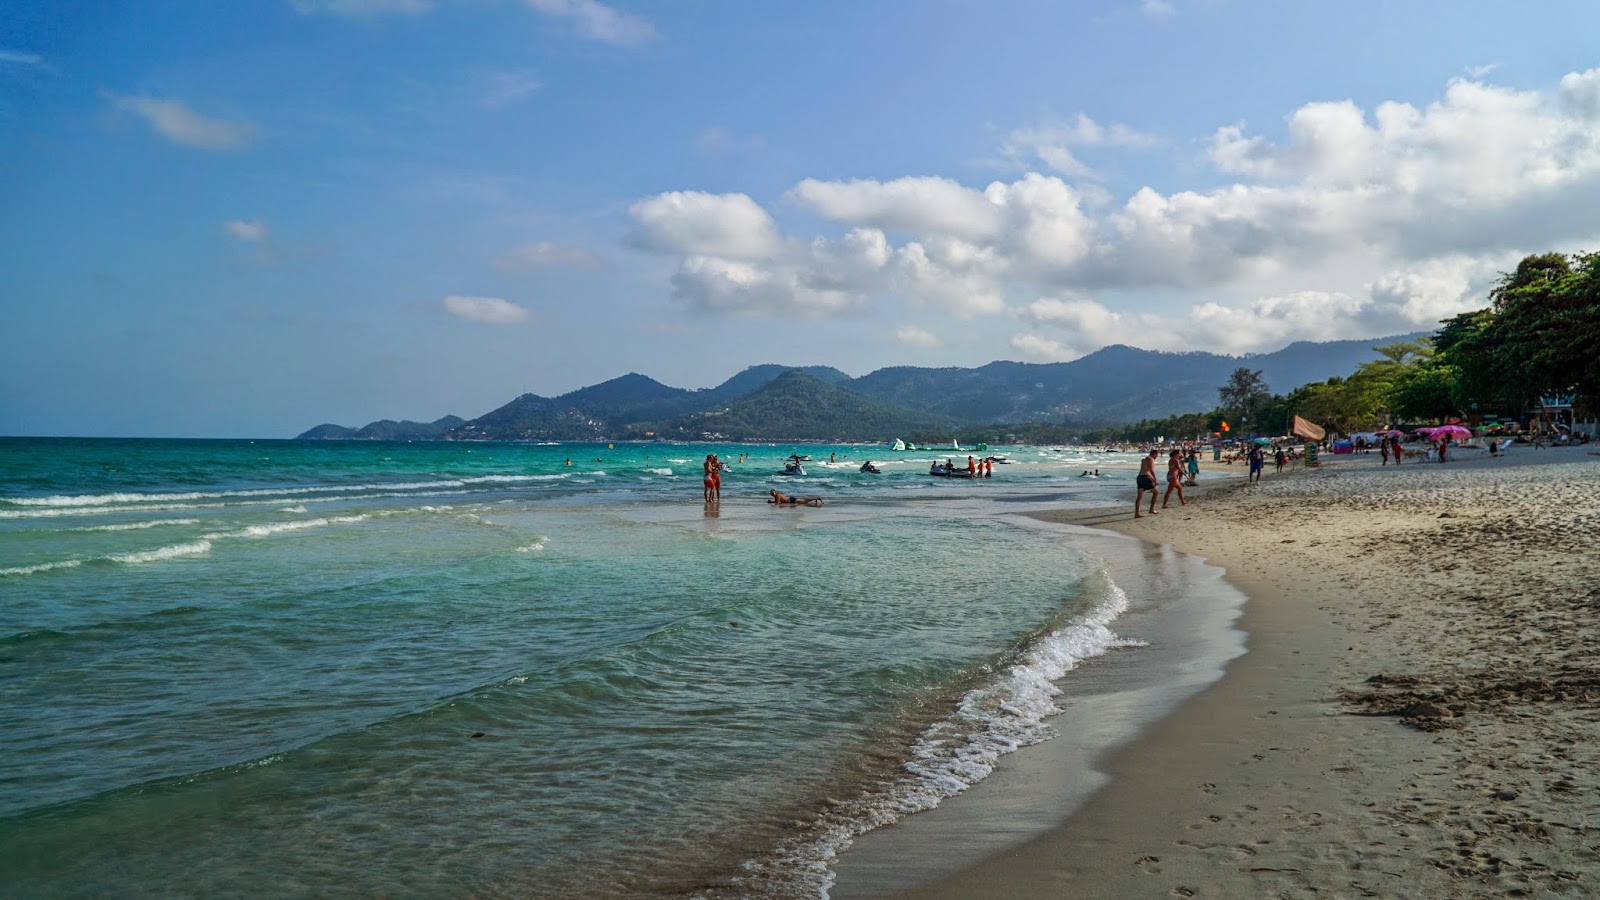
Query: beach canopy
{"points": [[1308, 430]]}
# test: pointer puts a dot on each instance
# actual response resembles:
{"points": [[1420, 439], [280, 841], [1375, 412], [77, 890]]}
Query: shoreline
{"points": [[1454, 595]]}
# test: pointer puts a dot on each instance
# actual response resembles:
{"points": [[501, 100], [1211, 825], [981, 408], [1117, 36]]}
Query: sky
{"points": [[244, 219]]}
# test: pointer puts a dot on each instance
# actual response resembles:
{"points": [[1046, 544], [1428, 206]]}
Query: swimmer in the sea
{"points": [[782, 499]]}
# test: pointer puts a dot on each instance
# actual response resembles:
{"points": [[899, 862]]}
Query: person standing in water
{"points": [[713, 478]]}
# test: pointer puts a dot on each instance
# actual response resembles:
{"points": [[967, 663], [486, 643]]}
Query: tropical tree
{"points": [[1540, 335], [1244, 394], [1426, 391]]}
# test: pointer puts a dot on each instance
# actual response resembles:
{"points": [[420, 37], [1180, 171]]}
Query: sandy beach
{"points": [[1415, 716]]}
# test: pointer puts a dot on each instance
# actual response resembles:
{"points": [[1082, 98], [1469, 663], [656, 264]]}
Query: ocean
{"points": [[234, 668]]}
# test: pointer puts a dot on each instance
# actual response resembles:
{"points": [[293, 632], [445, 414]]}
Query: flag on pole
{"points": [[1224, 424]]}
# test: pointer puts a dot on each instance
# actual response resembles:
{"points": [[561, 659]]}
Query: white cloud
{"points": [[1355, 221], [1414, 298], [488, 310], [542, 255], [253, 231], [913, 336], [918, 205], [181, 125], [597, 21], [700, 224], [507, 88], [710, 284], [1580, 92], [952, 275], [1157, 9], [1052, 142], [360, 9], [1034, 348], [1476, 72]]}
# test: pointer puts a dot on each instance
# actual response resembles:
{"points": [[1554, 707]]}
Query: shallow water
{"points": [[422, 669]]}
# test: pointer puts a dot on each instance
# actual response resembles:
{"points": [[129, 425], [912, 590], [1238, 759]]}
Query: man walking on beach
{"points": [[1146, 482]]}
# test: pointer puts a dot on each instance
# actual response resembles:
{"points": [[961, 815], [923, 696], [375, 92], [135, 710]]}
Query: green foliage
{"points": [[1540, 336], [1425, 392], [1244, 394]]}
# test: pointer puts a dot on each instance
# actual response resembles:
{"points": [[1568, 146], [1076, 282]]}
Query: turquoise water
{"points": [[445, 669]]}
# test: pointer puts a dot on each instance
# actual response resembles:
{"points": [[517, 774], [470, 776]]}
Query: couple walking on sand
{"points": [[1147, 482]]}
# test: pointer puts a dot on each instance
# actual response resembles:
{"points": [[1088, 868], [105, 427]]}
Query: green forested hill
{"points": [[1113, 385], [796, 406]]}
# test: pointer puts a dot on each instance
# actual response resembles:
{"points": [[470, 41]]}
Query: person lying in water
{"points": [[782, 499]]}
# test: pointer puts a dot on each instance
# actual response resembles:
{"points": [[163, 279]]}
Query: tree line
{"points": [[1539, 337]]}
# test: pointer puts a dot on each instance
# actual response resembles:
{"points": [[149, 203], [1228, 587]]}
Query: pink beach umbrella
{"points": [[1456, 432]]}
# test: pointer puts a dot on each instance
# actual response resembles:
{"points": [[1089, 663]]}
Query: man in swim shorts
{"points": [[1146, 482]]}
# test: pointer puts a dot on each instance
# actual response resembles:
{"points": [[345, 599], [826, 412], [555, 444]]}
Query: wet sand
{"points": [[1417, 712]]}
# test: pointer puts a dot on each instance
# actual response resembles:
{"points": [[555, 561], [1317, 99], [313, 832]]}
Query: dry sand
{"points": [[1417, 715]]}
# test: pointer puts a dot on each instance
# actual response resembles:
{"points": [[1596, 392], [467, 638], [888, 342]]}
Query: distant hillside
{"points": [[1113, 385], [797, 405], [756, 377], [385, 430]]}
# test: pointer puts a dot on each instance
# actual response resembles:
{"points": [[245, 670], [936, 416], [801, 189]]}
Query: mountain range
{"points": [[1113, 385]]}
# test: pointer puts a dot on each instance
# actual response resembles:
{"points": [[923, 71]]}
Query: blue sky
{"points": [[245, 219]]}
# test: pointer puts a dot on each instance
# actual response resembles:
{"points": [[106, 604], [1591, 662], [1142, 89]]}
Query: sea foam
{"points": [[955, 753], [194, 548]]}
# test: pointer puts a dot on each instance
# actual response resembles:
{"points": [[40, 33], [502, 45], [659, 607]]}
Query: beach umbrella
{"points": [[1393, 432], [1261, 441], [1456, 432]]}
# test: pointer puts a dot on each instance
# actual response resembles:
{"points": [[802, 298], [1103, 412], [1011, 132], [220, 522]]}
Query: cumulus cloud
{"points": [[597, 21], [913, 336], [1414, 298], [1580, 92], [488, 310], [907, 204], [542, 255], [182, 125], [1035, 348], [1353, 221], [699, 224], [253, 232]]}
